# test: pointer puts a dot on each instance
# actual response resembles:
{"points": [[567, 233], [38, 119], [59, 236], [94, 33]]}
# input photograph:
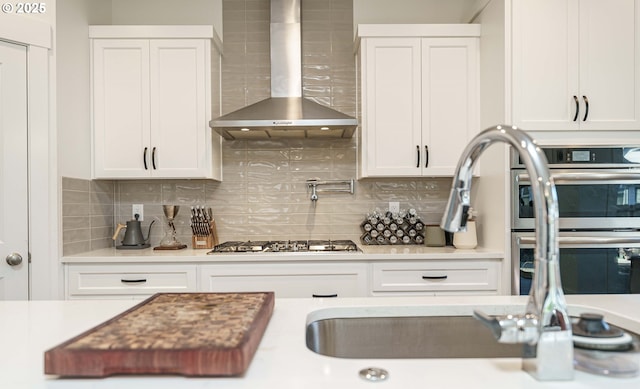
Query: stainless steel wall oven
{"points": [[599, 219]]}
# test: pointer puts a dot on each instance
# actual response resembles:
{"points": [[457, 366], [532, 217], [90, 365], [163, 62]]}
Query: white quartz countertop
{"points": [[368, 253], [28, 329]]}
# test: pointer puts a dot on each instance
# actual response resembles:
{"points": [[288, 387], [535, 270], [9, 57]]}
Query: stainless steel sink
{"points": [[406, 337]]}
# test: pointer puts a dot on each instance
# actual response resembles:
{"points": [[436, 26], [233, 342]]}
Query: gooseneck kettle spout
{"points": [[545, 327]]}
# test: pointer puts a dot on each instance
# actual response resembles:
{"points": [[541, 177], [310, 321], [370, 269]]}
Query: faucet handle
{"points": [[465, 215], [511, 328]]}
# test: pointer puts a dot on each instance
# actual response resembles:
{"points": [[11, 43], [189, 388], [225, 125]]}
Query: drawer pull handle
{"points": [[444, 277], [324, 295], [136, 281]]}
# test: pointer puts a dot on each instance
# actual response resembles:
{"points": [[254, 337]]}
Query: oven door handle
{"points": [[585, 176], [590, 240]]}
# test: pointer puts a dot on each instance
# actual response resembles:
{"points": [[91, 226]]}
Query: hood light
{"points": [[324, 128], [245, 129]]}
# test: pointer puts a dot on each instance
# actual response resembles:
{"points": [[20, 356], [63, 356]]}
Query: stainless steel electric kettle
{"points": [[133, 238]]}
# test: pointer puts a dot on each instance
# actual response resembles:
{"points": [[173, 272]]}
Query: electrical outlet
{"points": [[394, 207], [139, 209]]}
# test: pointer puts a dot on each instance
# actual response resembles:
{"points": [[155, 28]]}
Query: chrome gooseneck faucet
{"points": [[545, 328]]}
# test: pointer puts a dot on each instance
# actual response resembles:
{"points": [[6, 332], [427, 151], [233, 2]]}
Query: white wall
{"points": [[492, 198], [73, 102], [48, 16], [414, 11]]}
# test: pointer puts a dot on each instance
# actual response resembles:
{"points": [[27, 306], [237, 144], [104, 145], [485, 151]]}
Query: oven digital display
{"points": [[580, 155]]}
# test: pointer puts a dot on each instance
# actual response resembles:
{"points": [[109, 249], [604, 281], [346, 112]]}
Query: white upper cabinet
{"points": [[419, 98], [152, 104], [575, 64]]}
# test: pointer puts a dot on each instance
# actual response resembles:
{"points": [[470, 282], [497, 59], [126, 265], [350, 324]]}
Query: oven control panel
{"points": [[597, 156]]}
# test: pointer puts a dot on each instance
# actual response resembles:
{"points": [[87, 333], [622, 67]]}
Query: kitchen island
{"points": [[28, 329]]}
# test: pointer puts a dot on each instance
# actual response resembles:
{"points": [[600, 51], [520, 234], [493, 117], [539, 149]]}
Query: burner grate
{"points": [[285, 246]]}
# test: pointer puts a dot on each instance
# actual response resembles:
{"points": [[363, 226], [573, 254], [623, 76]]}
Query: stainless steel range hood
{"points": [[286, 113]]}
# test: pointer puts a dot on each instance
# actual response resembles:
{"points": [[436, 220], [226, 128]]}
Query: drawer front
{"points": [[287, 280], [123, 280], [436, 276]]}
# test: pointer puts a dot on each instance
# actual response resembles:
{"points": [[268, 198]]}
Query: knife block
{"points": [[206, 241]]}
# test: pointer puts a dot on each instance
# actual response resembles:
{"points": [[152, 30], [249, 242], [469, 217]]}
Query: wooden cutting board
{"points": [[192, 334]]}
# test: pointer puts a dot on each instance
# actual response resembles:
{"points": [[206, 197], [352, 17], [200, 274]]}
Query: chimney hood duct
{"points": [[286, 113]]}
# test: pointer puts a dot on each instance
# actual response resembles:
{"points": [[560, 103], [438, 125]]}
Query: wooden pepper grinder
{"points": [[469, 238]]}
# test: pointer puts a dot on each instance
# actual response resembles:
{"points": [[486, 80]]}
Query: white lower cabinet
{"points": [[288, 279], [436, 277], [127, 281], [297, 279]]}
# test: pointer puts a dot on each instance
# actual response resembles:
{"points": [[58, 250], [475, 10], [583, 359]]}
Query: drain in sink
{"points": [[374, 374]]}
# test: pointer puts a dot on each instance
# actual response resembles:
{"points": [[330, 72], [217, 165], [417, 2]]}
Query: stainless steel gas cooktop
{"points": [[285, 246]]}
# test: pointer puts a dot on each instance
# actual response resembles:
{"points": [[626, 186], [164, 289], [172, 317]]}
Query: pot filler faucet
{"points": [[545, 328]]}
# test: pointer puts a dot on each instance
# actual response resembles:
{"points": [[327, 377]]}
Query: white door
{"points": [[546, 92], [391, 93], [122, 148], [178, 108], [14, 243], [450, 98], [609, 71]]}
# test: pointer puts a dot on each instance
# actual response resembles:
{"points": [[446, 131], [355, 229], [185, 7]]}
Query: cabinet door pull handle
{"points": [[324, 295], [586, 105], [426, 156], [144, 158], [134, 281], [444, 277], [153, 158], [575, 99], [418, 153]]}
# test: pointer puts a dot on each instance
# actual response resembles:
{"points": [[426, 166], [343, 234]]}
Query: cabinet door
{"points": [[121, 108], [450, 95], [179, 113], [581, 70], [545, 64], [391, 117], [609, 68]]}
